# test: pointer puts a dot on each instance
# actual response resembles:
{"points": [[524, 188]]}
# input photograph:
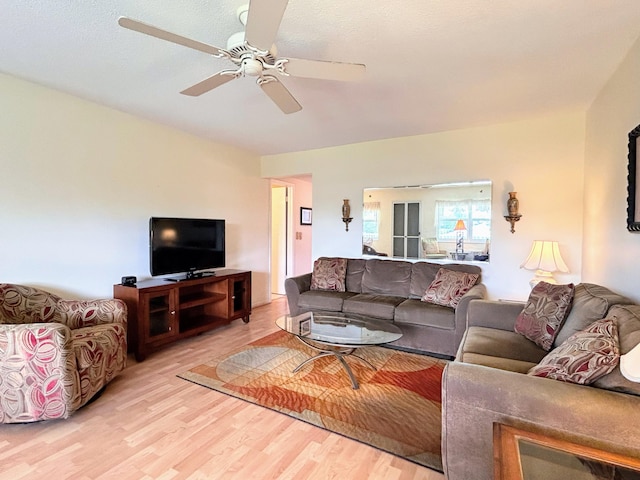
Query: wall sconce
{"points": [[545, 259], [512, 208], [346, 212]]}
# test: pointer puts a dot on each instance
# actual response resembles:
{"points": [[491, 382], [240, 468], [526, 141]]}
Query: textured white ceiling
{"points": [[432, 65]]}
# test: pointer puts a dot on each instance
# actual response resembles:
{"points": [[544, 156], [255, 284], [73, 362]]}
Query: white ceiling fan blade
{"points": [[345, 72], [137, 26], [210, 83], [263, 21], [279, 94]]}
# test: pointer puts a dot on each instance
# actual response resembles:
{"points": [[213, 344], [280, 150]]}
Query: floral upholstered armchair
{"points": [[55, 354]]}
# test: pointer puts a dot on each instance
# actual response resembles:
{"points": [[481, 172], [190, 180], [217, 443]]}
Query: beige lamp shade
{"points": [[545, 259], [630, 364]]}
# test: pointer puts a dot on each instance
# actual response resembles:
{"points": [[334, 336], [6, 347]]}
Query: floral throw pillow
{"points": [[448, 287], [547, 307], [584, 357], [329, 274]]}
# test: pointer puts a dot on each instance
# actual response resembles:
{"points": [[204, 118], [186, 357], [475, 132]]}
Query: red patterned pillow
{"points": [[584, 357], [448, 287], [546, 309], [329, 274]]}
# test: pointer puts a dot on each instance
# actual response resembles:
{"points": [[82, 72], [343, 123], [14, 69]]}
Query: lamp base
{"points": [[542, 276]]}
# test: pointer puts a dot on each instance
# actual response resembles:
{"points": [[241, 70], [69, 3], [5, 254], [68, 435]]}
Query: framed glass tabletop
{"points": [[340, 329], [525, 455]]}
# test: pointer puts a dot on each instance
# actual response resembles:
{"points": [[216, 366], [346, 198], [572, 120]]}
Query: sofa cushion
{"points": [[544, 312], [424, 273], [504, 344], [448, 287], [355, 269], [416, 312], [371, 305], [627, 318], [590, 303], [322, 300], [329, 274], [387, 277], [584, 357]]}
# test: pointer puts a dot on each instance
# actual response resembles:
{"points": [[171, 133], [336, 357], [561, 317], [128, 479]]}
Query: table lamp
{"points": [[630, 364], [460, 228], [545, 259]]}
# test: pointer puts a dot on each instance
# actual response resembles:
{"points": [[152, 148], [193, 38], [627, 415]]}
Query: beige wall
{"points": [[611, 253], [80, 181], [540, 158]]}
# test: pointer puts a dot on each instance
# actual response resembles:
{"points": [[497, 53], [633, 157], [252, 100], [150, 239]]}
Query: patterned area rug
{"points": [[396, 408]]}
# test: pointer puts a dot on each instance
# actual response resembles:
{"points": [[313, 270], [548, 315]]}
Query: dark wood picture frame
{"points": [[633, 215], [305, 216]]}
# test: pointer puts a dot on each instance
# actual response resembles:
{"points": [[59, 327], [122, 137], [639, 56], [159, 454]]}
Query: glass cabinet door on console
{"points": [[240, 295], [161, 314]]}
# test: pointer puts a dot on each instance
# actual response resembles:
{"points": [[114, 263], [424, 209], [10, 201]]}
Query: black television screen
{"points": [[185, 245]]}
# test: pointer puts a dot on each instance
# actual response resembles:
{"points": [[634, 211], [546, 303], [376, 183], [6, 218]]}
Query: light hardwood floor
{"points": [[149, 424]]}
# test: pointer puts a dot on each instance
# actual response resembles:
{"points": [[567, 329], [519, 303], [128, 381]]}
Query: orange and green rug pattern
{"points": [[396, 409]]}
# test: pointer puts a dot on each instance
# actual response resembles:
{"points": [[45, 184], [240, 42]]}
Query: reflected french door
{"points": [[406, 229]]}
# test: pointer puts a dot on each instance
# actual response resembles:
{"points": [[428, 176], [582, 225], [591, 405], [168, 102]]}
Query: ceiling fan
{"points": [[253, 53]]}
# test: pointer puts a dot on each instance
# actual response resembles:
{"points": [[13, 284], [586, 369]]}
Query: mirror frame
{"points": [[633, 220]]}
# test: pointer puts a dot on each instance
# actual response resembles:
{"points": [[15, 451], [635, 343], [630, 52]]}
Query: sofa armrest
{"points": [[87, 313], [40, 380], [476, 292], [476, 396], [294, 286], [493, 314]]}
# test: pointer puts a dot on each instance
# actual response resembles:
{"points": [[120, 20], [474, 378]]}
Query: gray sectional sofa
{"points": [[391, 290], [487, 383]]}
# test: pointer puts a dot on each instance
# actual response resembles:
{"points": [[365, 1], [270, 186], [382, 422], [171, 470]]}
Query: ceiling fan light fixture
{"points": [[252, 67], [238, 48]]}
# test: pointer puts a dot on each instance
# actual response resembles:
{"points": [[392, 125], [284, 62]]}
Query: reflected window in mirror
{"points": [[476, 215], [370, 222], [440, 234]]}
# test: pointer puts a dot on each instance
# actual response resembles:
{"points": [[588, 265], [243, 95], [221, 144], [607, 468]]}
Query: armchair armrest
{"points": [[293, 287], [493, 314], [87, 313], [39, 374]]}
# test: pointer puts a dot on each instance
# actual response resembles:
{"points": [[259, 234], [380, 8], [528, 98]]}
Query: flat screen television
{"points": [[185, 245]]}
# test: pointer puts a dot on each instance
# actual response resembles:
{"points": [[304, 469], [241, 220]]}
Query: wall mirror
{"points": [[633, 193], [443, 221]]}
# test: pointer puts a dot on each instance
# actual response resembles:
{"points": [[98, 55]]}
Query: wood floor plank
{"points": [[150, 424]]}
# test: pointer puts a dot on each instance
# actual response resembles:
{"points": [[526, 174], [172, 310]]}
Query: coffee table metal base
{"points": [[340, 353]]}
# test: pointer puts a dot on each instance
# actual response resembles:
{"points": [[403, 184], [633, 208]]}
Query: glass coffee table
{"points": [[339, 335]]}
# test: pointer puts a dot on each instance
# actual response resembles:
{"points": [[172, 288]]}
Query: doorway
{"points": [[281, 235]]}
